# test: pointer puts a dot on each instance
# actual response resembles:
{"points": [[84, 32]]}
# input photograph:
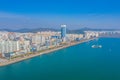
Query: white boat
{"points": [[96, 46]]}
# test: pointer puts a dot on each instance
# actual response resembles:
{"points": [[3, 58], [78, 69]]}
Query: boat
{"points": [[96, 46]]}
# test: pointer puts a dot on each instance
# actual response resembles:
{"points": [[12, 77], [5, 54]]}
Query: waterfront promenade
{"points": [[18, 59]]}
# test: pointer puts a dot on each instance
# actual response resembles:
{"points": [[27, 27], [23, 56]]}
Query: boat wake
{"points": [[96, 46]]}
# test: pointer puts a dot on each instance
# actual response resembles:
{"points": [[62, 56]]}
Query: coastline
{"points": [[12, 61]]}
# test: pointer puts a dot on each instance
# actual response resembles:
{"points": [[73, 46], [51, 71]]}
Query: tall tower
{"points": [[63, 32]]}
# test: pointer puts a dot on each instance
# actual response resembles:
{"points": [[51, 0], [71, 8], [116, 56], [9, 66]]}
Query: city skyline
{"points": [[100, 14]]}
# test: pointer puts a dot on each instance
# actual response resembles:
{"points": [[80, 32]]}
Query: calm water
{"points": [[80, 62]]}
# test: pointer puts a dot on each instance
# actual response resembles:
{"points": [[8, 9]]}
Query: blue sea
{"points": [[79, 62]]}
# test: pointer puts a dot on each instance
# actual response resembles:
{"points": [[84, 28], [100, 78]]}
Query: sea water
{"points": [[79, 62]]}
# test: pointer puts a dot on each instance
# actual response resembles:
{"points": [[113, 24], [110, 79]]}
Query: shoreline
{"points": [[41, 53]]}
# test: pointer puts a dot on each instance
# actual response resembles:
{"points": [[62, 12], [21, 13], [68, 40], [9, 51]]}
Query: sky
{"points": [[76, 14]]}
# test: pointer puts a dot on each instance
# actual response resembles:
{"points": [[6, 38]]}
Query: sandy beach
{"points": [[7, 62]]}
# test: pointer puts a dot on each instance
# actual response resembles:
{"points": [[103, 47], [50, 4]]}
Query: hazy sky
{"points": [[16, 14]]}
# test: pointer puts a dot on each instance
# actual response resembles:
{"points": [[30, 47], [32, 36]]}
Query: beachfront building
{"points": [[74, 37], [7, 48], [44, 40], [37, 41], [109, 33], [24, 47], [63, 33], [91, 34]]}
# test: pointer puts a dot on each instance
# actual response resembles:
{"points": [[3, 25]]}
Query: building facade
{"points": [[63, 32]]}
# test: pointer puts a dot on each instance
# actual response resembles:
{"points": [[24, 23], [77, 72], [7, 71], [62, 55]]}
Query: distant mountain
{"points": [[29, 30], [81, 31], [91, 29], [34, 30], [9, 30], [78, 31]]}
